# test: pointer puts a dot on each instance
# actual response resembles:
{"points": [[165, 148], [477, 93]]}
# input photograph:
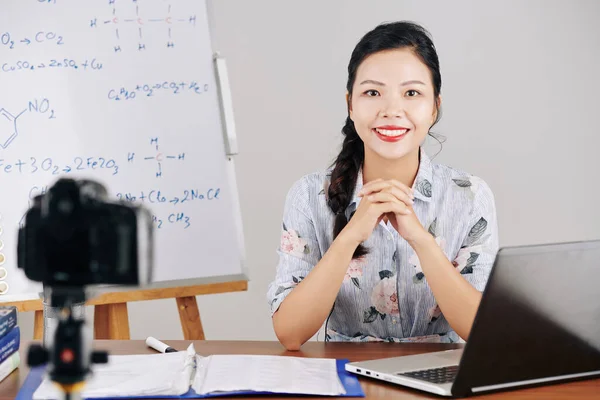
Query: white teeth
{"points": [[391, 132]]}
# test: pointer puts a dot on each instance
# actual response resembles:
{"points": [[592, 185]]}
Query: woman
{"points": [[386, 245]]}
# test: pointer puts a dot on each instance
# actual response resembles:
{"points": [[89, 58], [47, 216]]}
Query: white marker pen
{"points": [[158, 345]]}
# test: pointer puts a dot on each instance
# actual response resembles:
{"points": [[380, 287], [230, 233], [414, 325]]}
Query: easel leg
{"points": [[38, 325], [190, 318], [111, 321]]}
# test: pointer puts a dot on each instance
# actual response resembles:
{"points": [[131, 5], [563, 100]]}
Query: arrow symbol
{"points": [[26, 41], [67, 169], [175, 200]]}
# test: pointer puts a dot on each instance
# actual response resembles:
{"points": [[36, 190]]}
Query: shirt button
{"points": [[394, 320]]}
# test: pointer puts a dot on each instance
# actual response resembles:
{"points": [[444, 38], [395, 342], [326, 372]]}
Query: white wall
{"points": [[520, 90]]}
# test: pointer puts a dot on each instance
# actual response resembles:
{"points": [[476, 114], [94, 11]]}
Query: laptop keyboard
{"points": [[434, 375]]}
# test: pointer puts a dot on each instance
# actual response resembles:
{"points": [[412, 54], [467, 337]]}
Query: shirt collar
{"points": [[422, 184]]}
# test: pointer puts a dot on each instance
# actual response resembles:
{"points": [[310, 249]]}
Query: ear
{"points": [[438, 104], [349, 104]]}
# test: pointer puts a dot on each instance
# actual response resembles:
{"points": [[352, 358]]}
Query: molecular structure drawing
{"points": [[8, 127], [120, 21], [8, 122], [158, 157]]}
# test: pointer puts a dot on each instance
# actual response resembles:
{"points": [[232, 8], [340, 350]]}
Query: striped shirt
{"points": [[385, 295]]}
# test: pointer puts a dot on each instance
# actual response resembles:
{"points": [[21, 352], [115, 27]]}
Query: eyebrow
{"points": [[370, 81]]}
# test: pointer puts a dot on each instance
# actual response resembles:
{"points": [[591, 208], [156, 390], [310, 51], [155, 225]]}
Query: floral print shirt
{"points": [[385, 295]]}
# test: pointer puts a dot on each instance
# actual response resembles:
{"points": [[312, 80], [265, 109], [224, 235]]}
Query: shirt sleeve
{"points": [[298, 249], [478, 251]]}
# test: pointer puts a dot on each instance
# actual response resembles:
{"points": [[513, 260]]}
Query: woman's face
{"points": [[392, 103]]}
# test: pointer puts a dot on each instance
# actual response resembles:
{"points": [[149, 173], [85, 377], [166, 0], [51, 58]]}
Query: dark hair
{"points": [[388, 36]]}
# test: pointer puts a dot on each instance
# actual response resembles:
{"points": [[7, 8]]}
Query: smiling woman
{"points": [[413, 242]]}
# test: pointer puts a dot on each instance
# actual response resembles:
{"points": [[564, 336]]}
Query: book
{"points": [[9, 365], [8, 319], [186, 374], [10, 343]]}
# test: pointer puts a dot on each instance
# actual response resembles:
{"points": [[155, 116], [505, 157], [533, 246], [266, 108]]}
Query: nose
{"points": [[393, 107]]}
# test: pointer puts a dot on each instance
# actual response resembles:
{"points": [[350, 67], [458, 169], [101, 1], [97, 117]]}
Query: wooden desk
{"points": [[373, 389]]}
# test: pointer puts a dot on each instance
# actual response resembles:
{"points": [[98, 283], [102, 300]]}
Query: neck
{"points": [[403, 170]]}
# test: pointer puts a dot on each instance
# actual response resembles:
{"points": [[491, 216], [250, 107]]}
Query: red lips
{"points": [[391, 128]]}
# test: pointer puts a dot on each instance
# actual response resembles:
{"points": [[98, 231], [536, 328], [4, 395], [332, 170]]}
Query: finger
{"points": [[394, 207], [381, 185], [372, 186], [366, 187], [386, 196], [399, 194], [408, 190]]}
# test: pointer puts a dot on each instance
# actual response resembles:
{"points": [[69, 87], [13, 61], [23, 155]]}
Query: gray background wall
{"points": [[520, 109]]}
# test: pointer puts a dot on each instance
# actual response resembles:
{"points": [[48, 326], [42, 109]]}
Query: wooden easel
{"points": [[111, 320]]}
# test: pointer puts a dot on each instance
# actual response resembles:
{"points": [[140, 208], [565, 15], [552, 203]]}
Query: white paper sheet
{"points": [[279, 374], [134, 375], [173, 373]]}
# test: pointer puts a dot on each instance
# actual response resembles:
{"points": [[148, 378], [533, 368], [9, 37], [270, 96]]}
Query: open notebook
{"points": [[186, 374]]}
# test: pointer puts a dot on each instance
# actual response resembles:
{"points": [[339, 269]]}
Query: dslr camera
{"points": [[74, 236]]}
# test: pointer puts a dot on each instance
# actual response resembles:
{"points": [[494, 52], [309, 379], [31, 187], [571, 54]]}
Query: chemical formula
{"points": [[30, 65], [10, 42], [122, 19], [149, 90], [48, 166]]}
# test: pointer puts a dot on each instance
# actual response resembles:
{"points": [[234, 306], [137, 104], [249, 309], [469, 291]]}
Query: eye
{"points": [[412, 93], [371, 93]]}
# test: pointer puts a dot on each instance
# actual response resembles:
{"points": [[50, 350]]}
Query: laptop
{"points": [[538, 323]]}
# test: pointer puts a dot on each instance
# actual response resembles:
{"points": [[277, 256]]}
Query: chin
{"points": [[393, 152], [393, 156]]}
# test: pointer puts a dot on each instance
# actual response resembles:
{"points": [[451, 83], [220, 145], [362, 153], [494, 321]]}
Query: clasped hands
{"points": [[389, 199]]}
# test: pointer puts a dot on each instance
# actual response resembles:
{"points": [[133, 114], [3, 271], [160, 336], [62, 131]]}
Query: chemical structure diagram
{"points": [[135, 19], [158, 157], [9, 129]]}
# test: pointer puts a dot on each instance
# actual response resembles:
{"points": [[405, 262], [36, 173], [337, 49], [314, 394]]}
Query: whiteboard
{"points": [[124, 92]]}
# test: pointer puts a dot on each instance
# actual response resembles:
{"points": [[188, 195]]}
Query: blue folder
{"points": [[348, 380]]}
